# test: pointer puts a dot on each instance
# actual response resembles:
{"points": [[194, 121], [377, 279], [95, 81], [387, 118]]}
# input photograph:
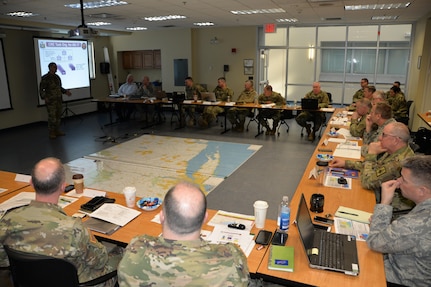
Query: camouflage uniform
{"points": [[373, 136], [237, 115], [358, 95], [406, 243], [44, 228], [357, 127], [155, 261], [190, 110], [380, 168], [51, 91], [316, 117], [265, 114], [210, 113], [399, 106]]}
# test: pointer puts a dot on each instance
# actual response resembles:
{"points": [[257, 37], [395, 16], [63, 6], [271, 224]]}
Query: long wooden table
{"points": [[7, 181], [370, 262], [426, 117]]}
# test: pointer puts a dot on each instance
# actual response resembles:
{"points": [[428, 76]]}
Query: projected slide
{"points": [[71, 57]]}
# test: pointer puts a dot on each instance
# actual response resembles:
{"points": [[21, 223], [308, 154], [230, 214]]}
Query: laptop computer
{"points": [[309, 104], [209, 97], [314, 242]]}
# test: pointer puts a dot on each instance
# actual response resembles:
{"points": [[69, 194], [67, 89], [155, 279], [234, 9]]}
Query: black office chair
{"points": [[30, 269], [252, 118], [284, 116]]}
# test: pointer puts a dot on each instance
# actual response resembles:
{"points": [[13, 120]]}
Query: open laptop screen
{"points": [[305, 225]]}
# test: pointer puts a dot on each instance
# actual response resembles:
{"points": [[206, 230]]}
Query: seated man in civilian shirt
{"points": [[382, 163], [128, 90], [180, 257], [42, 227], [406, 241]]}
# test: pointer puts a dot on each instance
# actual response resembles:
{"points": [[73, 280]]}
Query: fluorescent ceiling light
{"points": [[377, 6], [204, 24], [98, 24], [97, 4], [291, 20], [164, 18], [258, 11], [21, 14], [136, 28], [384, 18]]}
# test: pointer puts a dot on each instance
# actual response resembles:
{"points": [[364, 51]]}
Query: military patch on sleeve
{"points": [[380, 171]]}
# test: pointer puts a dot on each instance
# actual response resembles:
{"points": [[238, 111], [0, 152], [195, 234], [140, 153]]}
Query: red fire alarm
{"points": [[233, 50]]}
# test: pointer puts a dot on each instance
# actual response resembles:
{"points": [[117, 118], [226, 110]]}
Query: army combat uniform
{"points": [[376, 169], [399, 106], [44, 228], [265, 114], [373, 136], [316, 117], [406, 243], [357, 126], [155, 261], [51, 91], [210, 113], [189, 110], [237, 115]]}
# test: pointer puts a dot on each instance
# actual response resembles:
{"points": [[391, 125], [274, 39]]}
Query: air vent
{"points": [[332, 19], [168, 26]]}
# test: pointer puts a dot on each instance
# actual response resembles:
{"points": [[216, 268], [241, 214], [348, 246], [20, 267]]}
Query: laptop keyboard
{"points": [[330, 250]]}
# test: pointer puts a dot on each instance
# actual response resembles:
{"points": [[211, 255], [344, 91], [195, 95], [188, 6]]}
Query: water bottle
{"points": [[283, 220]]}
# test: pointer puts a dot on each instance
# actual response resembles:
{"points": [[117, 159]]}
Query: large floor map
{"points": [[154, 163]]}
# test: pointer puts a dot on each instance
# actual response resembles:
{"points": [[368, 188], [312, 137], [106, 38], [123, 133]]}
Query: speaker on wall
{"points": [[104, 67], [226, 68]]}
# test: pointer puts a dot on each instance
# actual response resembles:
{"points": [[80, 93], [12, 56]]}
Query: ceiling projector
{"points": [[83, 32]]}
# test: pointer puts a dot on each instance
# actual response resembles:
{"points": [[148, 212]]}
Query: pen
{"points": [[348, 213]]}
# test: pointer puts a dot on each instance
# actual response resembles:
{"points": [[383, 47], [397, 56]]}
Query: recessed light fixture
{"points": [[290, 20], [136, 28], [164, 18], [384, 17], [258, 11], [377, 6], [97, 4], [98, 24], [21, 14], [204, 24]]}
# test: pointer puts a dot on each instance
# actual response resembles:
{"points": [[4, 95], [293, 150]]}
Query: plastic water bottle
{"points": [[283, 220]]}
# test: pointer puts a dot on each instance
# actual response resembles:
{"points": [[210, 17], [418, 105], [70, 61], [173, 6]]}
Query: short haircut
{"points": [[381, 94], [384, 110], [395, 89], [179, 220], [51, 64], [222, 79], [365, 102], [400, 130], [364, 79], [420, 167], [268, 87], [249, 81], [371, 88], [398, 83], [189, 78], [53, 182]]}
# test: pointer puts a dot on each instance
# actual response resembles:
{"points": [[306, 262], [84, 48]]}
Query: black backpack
{"points": [[423, 139]]}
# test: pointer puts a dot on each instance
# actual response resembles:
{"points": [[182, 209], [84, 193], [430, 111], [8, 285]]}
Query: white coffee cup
{"points": [[260, 208], [130, 195]]}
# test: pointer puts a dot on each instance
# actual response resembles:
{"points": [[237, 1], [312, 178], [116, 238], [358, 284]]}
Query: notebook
{"points": [[101, 226], [281, 258], [316, 243], [209, 97], [309, 104], [353, 214]]}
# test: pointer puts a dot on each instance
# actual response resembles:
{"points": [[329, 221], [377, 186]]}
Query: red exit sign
{"points": [[270, 28]]}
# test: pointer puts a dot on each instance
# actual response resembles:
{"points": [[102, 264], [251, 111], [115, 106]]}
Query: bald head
{"points": [[184, 209], [48, 176]]}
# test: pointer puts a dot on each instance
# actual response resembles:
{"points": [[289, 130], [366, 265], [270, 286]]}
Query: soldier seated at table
{"points": [[270, 97]]}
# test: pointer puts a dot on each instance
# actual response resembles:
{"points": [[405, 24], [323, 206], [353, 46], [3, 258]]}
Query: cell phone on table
{"points": [[323, 220], [279, 238], [263, 237]]}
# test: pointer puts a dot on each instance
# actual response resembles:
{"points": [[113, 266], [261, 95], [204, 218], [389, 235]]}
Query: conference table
{"points": [[7, 181], [426, 117], [370, 262]]}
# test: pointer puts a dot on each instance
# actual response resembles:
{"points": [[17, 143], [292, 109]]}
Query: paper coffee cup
{"points": [[130, 195], [260, 208], [78, 182]]}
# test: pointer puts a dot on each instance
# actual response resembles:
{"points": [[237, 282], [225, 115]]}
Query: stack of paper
{"points": [[115, 213], [348, 150]]}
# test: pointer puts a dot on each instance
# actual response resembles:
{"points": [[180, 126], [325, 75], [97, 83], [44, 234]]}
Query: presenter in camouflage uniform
{"points": [[406, 241], [359, 117], [383, 161], [316, 117], [42, 227], [192, 90], [222, 93], [180, 257], [270, 97], [51, 91], [237, 115]]}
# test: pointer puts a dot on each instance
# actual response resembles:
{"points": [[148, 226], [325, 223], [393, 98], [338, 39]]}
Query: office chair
{"points": [[252, 118], [30, 269], [285, 115]]}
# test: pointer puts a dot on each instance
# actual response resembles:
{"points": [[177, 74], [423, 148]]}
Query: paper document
{"points": [[267, 106], [349, 227], [223, 234], [224, 218], [348, 149], [353, 214], [23, 178], [3, 189], [115, 213], [21, 199], [332, 181], [328, 110]]}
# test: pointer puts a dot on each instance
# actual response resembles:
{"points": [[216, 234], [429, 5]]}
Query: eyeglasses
{"points": [[388, 135]]}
